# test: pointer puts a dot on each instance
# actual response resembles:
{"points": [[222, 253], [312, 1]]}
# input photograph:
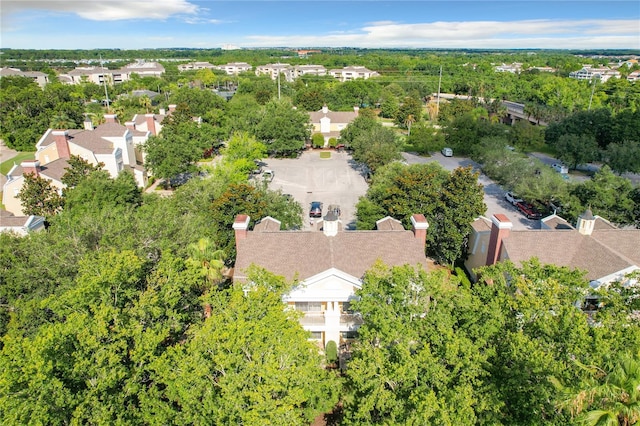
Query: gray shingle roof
{"points": [[300, 255]]}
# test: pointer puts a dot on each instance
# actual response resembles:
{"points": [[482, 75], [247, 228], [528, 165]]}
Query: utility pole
{"points": [[104, 83], [593, 89], [278, 84], [438, 98]]}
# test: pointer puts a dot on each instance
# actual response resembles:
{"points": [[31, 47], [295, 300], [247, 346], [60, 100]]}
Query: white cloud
{"points": [[543, 33], [107, 10]]}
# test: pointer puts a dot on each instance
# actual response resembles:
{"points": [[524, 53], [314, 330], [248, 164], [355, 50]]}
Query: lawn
{"points": [[325, 154], [7, 165]]}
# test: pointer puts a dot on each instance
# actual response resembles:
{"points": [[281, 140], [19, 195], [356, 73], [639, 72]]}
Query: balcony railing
{"points": [[312, 318], [350, 319]]}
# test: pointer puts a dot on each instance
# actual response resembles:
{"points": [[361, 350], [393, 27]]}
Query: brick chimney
{"points": [[419, 226], [151, 123], [500, 229], [172, 108], [131, 125], [30, 167], [241, 227], [110, 118], [61, 138]]}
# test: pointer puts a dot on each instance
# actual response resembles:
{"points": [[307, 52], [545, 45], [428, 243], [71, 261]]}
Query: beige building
{"points": [[20, 225], [110, 143], [352, 73], [39, 77], [327, 265], [330, 123], [101, 75], [235, 68], [273, 70], [594, 245]]}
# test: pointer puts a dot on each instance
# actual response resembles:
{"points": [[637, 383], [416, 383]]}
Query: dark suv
{"points": [[316, 209]]}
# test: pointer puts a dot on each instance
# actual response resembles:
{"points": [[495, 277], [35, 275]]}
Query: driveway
{"points": [[493, 193], [6, 153], [336, 180]]}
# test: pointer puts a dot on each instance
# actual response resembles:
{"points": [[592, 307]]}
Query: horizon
{"points": [[362, 24]]}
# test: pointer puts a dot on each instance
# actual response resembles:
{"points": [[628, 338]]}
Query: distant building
{"points": [[513, 68], [100, 75], [235, 68], [588, 73], [300, 70], [196, 66], [39, 77], [273, 70], [634, 76], [352, 73]]}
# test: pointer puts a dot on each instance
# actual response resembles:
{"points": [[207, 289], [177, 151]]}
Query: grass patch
{"points": [[325, 154], [7, 165]]}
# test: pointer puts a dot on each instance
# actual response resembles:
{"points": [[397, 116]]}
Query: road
{"points": [[493, 193]]}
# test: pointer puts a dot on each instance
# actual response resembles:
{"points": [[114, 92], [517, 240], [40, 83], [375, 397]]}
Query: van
{"points": [[447, 152]]}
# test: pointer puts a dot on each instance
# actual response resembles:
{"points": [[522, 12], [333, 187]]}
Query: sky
{"points": [[502, 24]]}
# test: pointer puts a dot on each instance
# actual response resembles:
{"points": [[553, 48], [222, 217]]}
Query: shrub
{"points": [[333, 142], [317, 140], [331, 351]]}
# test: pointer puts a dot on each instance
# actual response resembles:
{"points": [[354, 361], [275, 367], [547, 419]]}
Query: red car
{"points": [[528, 210]]}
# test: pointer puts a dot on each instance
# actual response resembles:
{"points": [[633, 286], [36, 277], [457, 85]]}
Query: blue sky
{"points": [[130, 24]]}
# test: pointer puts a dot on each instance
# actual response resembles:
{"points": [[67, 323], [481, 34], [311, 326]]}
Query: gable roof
{"points": [[565, 248], [335, 117], [302, 254]]}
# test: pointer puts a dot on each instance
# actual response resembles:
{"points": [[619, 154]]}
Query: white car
{"points": [[447, 152], [560, 168], [512, 198]]}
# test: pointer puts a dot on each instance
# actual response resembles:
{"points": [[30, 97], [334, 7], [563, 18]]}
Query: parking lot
{"points": [[339, 180], [336, 180]]}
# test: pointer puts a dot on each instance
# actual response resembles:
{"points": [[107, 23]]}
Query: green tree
{"points": [[282, 128], [79, 169], [317, 140], [39, 197], [409, 112], [576, 150], [623, 157], [449, 201], [376, 147], [259, 377], [364, 122], [418, 359], [609, 196]]}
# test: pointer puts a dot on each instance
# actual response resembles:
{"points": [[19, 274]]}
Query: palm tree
{"points": [[613, 398], [209, 261], [408, 122], [145, 101], [61, 121]]}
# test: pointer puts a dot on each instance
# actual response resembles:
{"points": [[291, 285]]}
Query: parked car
{"points": [[267, 176], [560, 168], [316, 209], [512, 198], [447, 152], [528, 210]]}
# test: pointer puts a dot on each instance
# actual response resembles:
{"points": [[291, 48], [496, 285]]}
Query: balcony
{"points": [[351, 320], [312, 318]]}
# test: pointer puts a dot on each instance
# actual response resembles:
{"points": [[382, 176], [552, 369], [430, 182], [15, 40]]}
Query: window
{"points": [[349, 334], [309, 306], [315, 335]]}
